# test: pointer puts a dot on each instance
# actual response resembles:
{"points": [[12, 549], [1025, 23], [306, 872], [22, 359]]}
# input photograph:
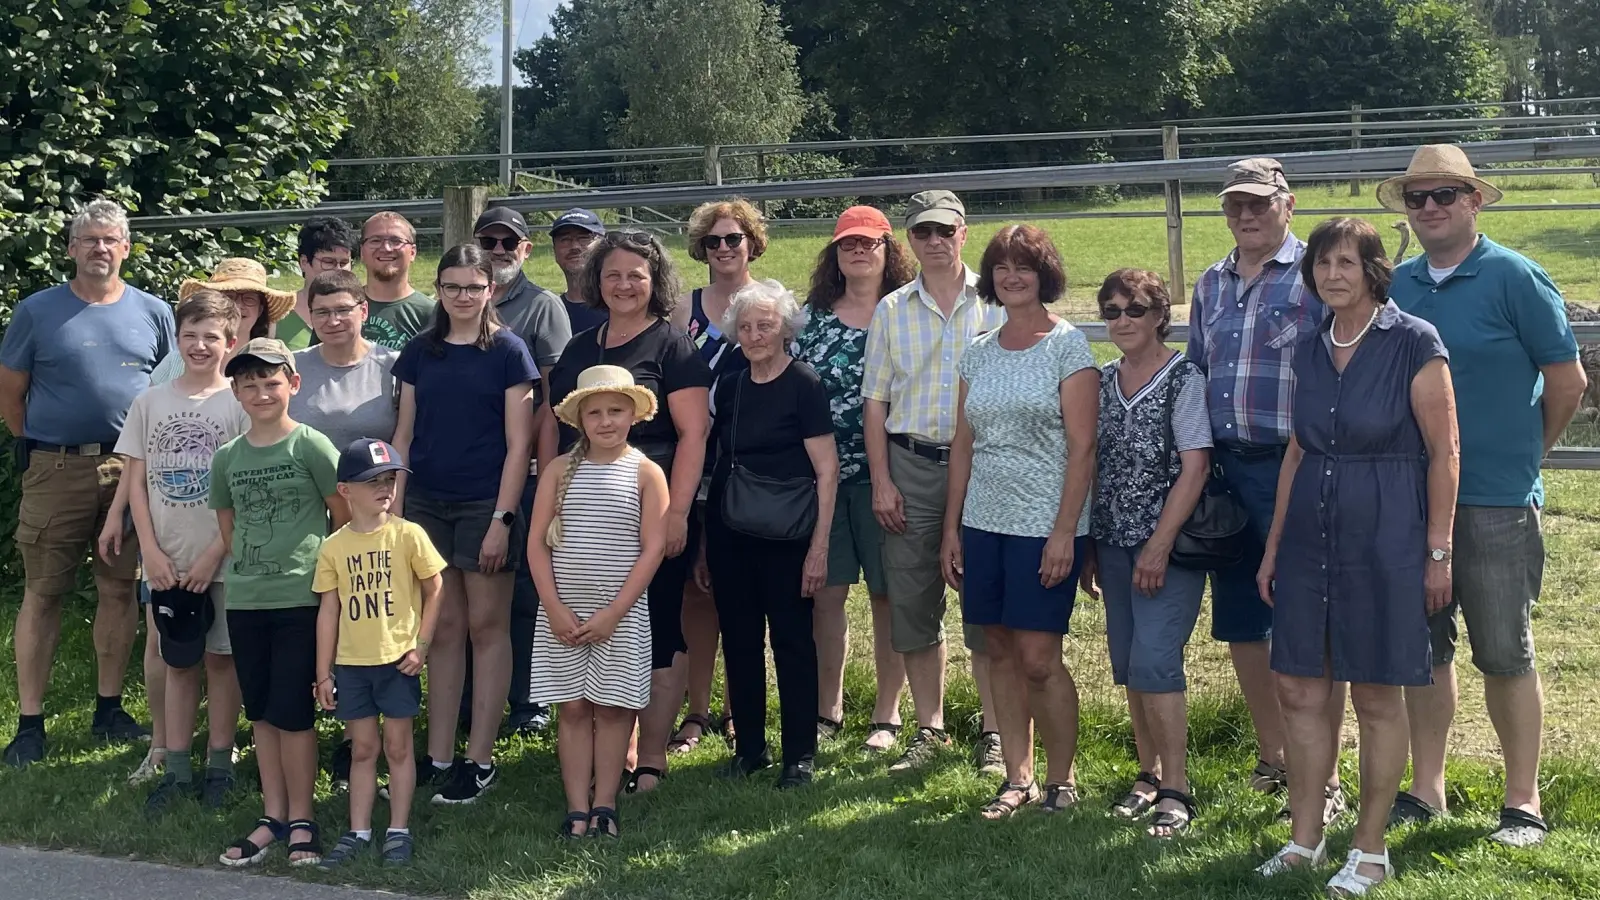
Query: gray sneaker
{"points": [[167, 793], [925, 746], [987, 756]]}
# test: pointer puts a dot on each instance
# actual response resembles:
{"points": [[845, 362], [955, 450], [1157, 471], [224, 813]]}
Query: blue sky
{"points": [[530, 19]]}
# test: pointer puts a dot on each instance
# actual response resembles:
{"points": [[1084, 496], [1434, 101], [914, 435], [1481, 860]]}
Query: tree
{"points": [[574, 95], [1551, 47], [173, 107]]}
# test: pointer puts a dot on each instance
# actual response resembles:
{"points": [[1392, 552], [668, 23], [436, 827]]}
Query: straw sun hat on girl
{"points": [[1435, 162], [606, 380], [237, 275]]}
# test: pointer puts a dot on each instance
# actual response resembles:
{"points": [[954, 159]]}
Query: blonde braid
{"points": [[552, 535]]}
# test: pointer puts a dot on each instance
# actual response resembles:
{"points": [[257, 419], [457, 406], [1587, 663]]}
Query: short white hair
{"points": [[104, 213], [766, 292]]}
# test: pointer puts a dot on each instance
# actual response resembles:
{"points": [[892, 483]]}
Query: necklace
{"points": [[1345, 345]]}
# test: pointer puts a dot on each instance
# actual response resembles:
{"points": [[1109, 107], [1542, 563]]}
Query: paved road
{"points": [[40, 875]]}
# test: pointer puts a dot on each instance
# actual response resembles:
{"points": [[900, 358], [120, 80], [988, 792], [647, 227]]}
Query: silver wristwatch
{"points": [[1438, 554]]}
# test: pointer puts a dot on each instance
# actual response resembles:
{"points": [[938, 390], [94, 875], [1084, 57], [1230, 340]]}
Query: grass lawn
{"points": [[858, 832]]}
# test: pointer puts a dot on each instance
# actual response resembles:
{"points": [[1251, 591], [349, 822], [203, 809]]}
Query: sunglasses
{"points": [[504, 243], [926, 231], [869, 244], [713, 241], [637, 238], [1132, 311], [1445, 196], [1257, 206]]}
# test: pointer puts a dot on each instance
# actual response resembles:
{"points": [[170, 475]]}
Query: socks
{"points": [[220, 759], [34, 722], [483, 767], [397, 831], [441, 766], [365, 834], [103, 705], [180, 767]]}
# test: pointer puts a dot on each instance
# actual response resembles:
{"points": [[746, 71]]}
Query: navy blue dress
{"points": [[1352, 559]]}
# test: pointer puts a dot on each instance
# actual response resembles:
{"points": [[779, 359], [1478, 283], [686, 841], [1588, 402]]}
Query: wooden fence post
{"points": [[1174, 203], [713, 164], [1355, 144], [462, 207]]}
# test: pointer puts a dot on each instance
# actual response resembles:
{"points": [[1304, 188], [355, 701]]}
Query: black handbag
{"points": [[759, 506], [1217, 534]]}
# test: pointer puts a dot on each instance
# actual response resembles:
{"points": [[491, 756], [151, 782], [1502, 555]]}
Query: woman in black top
{"points": [[630, 273], [773, 421]]}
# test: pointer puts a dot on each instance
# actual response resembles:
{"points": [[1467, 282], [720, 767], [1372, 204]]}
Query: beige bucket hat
{"points": [[606, 380], [1434, 161], [238, 274]]}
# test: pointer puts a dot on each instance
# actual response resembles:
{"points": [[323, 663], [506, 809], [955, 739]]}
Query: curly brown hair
{"points": [[1024, 245], [1140, 284], [664, 285], [1327, 237], [827, 281], [706, 216]]}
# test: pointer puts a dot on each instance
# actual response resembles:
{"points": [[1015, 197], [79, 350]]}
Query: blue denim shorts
{"points": [[1000, 583], [366, 692], [1498, 573], [1146, 635], [1238, 616]]}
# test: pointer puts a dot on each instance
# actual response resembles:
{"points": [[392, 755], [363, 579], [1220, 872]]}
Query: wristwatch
{"points": [[504, 517], [1438, 554]]}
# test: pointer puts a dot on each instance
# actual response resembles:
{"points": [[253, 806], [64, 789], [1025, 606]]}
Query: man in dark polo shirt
{"points": [[571, 235], [73, 359]]}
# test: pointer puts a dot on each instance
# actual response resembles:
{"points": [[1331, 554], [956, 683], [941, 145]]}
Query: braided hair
{"points": [[552, 535]]}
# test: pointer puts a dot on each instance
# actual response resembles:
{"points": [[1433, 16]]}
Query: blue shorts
{"points": [[1000, 583], [1146, 635], [365, 692], [1238, 616]]}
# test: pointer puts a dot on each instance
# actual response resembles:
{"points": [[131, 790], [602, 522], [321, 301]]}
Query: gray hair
{"points": [[766, 292], [104, 213]]}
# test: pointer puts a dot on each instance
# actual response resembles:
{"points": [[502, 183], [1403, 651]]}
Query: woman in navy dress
{"points": [[1359, 552]]}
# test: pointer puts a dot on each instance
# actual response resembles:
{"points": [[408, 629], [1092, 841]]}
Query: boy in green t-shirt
{"points": [[273, 488]]}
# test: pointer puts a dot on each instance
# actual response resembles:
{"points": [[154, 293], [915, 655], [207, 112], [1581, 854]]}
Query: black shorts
{"points": [[666, 600], [457, 529], [275, 653]]}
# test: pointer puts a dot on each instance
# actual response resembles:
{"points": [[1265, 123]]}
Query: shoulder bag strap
{"points": [[733, 426], [1167, 438]]}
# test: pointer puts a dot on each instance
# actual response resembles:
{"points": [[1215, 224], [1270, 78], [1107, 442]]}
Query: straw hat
{"points": [[606, 380], [1434, 161], [242, 275]]}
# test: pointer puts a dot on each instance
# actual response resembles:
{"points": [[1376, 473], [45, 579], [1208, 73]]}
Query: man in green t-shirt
{"points": [[396, 312]]}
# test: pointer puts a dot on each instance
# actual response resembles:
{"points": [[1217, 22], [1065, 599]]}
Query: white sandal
{"points": [[1347, 882], [155, 761], [1279, 863]]}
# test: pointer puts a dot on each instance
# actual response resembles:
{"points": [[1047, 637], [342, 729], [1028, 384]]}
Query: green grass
{"points": [[859, 832]]}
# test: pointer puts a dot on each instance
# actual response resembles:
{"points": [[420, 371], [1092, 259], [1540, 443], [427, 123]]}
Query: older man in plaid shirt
{"points": [[1248, 312]]}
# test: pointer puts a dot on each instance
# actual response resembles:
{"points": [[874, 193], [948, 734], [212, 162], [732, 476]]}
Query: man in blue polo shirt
{"points": [[1518, 381]]}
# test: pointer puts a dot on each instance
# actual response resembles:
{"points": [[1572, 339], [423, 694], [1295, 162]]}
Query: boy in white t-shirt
{"points": [[172, 432]]}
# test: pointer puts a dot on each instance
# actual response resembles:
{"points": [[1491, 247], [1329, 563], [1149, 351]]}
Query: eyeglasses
{"points": [[328, 313], [98, 242], [927, 230], [473, 291], [1445, 196], [329, 263], [713, 241], [1132, 311], [636, 238], [504, 243], [1233, 208], [852, 244], [387, 243]]}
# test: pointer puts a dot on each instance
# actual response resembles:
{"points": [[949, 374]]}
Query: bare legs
{"points": [[39, 633], [1381, 715], [925, 673], [831, 628], [479, 604], [1031, 683], [701, 633]]}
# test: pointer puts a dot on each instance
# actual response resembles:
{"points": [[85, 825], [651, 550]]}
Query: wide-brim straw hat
{"points": [[1435, 161], [606, 380], [238, 274]]}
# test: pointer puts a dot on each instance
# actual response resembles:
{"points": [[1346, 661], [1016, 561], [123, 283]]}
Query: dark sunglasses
{"points": [[927, 230], [869, 244], [1445, 196], [1132, 311], [713, 241], [505, 243], [1258, 206]]}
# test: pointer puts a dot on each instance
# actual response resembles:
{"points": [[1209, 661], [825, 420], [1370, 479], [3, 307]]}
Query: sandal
{"points": [[644, 772], [1059, 796], [1279, 863], [1347, 882], [579, 817], [344, 851], [251, 853], [682, 744], [725, 728], [1334, 805], [1268, 778], [1003, 807], [1520, 829], [828, 729], [1409, 808], [312, 846], [1165, 818], [1136, 804], [877, 728], [397, 848], [604, 823]]}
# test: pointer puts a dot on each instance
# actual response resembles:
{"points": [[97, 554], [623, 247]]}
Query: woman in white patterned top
{"points": [[1021, 467], [596, 538]]}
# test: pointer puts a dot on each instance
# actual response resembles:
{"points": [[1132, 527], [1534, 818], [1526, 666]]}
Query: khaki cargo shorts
{"points": [[64, 503]]}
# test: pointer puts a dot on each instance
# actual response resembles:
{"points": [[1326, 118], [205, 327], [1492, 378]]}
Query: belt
{"points": [[939, 453], [74, 450]]}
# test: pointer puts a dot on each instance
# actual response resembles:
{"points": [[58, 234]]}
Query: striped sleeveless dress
{"points": [[599, 544]]}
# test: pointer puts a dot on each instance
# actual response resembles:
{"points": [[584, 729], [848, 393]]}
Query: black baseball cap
{"points": [[182, 619], [579, 218], [501, 215], [366, 459]]}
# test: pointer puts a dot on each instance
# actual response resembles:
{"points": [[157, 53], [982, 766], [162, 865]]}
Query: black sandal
{"points": [[1002, 807], [725, 728], [828, 729], [604, 823], [1519, 829], [1140, 804], [1409, 808], [644, 772], [1166, 818], [876, 727], [1268, 778], [574, 818], [251, 853], [681, 744], [1057, 791], [312, 846]]}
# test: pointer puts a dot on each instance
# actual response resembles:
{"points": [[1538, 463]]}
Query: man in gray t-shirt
{"points": [[347, 403]]}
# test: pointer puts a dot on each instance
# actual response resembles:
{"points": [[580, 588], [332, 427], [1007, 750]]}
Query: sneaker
{"points": [[988, 756], [528, 722], [339, 768], [168, 792], [742, 766], [216, 787], [927, 744], [397, 848], [26, 748], [150, 769], [797, 775], [119, 727], [428, 775], [350, 845], [468, 781]]}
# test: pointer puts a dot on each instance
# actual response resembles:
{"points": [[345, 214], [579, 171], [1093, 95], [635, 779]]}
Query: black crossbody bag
{"points": [[775, 509], [1217, 534]]}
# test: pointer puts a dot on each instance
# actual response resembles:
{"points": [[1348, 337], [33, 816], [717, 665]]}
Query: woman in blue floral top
{"points": [[1154, 451], [861, 265]]}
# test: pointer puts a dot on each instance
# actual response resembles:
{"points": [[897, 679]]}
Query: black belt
{"points": [[72, 450], [939, 453]]}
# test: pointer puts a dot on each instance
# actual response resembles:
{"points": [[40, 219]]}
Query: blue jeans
{"points": [[1251, 471]]}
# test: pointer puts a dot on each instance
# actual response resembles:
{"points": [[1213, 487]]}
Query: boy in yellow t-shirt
{"points": [[379, 581]]}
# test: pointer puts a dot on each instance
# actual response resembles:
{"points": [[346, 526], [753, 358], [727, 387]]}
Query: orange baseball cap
{"points": [[862, 221]]}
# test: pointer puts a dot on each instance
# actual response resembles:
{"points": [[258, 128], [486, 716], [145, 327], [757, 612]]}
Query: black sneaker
{"points": [[339, 769], [742, 766], [468, 781], [528, 722], [168, 792], [428, 775], [119, 727], [797, 775], [26, 748], [216, 787]]}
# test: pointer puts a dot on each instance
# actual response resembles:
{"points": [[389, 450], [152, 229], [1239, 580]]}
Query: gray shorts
{"points": [[1498, 569], [911, 559], [457, 528], [1146, 635], [855, 540]]}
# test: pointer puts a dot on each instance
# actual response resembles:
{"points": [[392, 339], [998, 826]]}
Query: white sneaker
{"points": [[1347, 882], [1279, 863], [155, 761]]}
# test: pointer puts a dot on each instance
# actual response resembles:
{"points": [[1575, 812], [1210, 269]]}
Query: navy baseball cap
{"points": [[579, 218], [366, 459], [182, 619], [500, 215]]}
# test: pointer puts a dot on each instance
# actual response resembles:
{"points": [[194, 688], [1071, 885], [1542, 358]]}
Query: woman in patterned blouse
{"points": [[861, 265], [1154, 451]]}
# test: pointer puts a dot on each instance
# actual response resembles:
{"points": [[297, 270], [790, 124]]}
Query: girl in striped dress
{"points": [[596, 537]]}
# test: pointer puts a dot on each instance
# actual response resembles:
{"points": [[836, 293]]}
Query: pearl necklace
{"points": [[1346, 345]]}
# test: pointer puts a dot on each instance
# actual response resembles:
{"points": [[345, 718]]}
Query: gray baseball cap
{"points": [[1259, 176], [942, 207]]}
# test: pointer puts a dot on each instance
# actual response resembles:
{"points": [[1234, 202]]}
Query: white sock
{"points": [[365, 834], [441, 766], [399, 831]]}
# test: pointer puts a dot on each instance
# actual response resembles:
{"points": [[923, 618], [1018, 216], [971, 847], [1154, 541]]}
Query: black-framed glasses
{"points": [[1444, 196], [1132, 311], [330, 263], [927, 230], [387, 243], [1234, 207], [473, 291], [637, 238], [504, 243], [713, 241], [869, 244], [327, 313]]}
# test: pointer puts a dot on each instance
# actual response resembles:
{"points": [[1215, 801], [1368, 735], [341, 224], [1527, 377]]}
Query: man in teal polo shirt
{"points": [[1518, 381]]}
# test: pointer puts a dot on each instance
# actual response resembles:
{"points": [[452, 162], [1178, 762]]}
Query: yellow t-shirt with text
{"points": [[379, 579]]}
